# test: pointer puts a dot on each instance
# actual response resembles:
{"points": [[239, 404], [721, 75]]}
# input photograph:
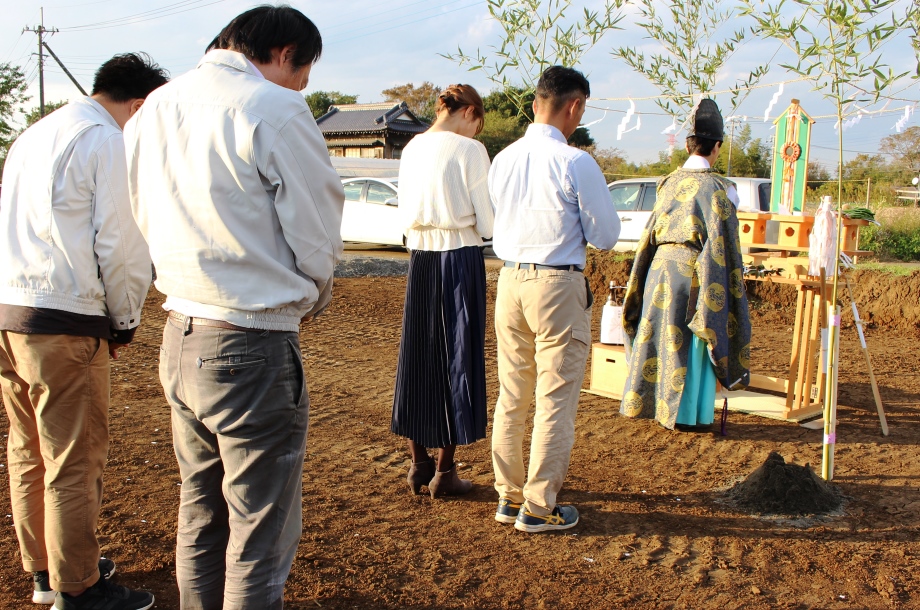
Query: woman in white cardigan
{"points": [[440, 398]]}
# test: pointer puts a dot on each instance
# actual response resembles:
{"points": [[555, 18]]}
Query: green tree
{"points": [[498, 131], [613, 163], [502, 101], [691, 58], [34, 115], [421, 100], [12, 94], [536, 34], [505, 123], [818, 176], [581, 138], [905, 148], [319, 101], [750, 157]]}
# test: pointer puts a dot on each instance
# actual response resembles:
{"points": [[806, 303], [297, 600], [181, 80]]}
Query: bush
{"points": [[897, 237]]}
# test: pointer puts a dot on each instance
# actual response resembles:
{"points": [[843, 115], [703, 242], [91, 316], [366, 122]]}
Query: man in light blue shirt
{"points": [[550, 200]]}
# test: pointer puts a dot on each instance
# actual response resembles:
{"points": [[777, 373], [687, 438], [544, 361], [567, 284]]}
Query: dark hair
{"points": [[559, 85], [697, 145], [259, 30], [131, 76], [457, 97]]}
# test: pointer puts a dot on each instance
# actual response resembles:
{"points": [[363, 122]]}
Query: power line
{"points": [[151, 15], [406, 23]]}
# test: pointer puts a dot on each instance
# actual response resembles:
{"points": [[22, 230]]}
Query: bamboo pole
{"points": [[830, 405]]}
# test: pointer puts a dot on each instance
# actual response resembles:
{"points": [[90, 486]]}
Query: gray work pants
{"points": [[239, 418]]}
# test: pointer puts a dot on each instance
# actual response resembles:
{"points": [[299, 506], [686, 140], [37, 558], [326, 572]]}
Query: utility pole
{"points": [[66, 71], [731, 140], [40, 30]]}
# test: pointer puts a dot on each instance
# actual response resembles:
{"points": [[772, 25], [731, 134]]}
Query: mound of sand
{"points": [[778, 488]]}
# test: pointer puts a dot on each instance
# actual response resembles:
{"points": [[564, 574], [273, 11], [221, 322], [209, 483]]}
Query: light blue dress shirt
{"points": [[550, 200]]}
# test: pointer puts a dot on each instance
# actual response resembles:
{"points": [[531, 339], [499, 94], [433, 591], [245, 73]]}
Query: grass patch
{"points": [[897, 238], [893, 268]]}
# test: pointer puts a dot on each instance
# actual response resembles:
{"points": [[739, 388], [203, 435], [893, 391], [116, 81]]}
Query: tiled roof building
{"points": [[369, 130]]}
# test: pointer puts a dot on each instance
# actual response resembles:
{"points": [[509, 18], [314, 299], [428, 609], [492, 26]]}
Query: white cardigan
{"points": [[444, 192]]}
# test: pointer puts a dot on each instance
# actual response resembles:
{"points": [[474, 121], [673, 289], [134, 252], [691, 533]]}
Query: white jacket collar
{"points": [[90, 108], [230, 59]]}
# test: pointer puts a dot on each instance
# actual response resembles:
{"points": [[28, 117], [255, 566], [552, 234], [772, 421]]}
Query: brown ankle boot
{"points": [[420, 474], [448, 484]]}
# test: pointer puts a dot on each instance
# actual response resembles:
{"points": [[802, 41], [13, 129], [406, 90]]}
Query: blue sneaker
{"points": [[507, 511], [562, 518]]}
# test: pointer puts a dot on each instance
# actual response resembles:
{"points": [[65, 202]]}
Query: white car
{"points": [[371, 214], [634, 200]]}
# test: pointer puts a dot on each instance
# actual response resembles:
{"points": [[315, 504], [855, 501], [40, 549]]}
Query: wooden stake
{"points": [[865, 349], [796, 348]]}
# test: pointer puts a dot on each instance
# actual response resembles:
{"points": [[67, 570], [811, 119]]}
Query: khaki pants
{"points": [[56, 393], [543, 328]]}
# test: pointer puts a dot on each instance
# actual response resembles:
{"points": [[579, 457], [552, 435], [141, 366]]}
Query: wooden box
{"points": [[850, 233], [794, 231], [608, 370], [752, 227]]}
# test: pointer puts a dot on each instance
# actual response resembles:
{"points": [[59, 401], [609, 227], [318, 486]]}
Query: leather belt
{"points": [[534, 266], [190, 323]]}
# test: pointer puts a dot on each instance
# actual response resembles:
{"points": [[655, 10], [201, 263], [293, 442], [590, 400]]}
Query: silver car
{"points": [[634, 200]]}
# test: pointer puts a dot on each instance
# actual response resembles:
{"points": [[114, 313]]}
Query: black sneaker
{"points": [[43, 593], [106, 568], [104, 595]]}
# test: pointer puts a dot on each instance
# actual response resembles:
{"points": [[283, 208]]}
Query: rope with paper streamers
{"points": [[621, 128]]}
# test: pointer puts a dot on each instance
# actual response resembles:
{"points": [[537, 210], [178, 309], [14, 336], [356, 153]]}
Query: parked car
{"points": [[634, 200], [371, 214]]}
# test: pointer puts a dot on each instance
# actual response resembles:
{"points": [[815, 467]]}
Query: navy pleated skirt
{"points": [[440, 394]]}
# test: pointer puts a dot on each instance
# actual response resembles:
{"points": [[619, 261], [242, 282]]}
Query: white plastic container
{"points": [[612, 320]]}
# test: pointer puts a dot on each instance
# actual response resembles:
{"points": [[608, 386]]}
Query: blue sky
{"points": [[371, 45]]}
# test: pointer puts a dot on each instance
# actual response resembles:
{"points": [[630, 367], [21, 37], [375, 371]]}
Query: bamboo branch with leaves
{"points": [[691, 56], [837, 45], [537, 34]]}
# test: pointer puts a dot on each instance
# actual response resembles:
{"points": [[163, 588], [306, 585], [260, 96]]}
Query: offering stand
{"points": [[800, 395]]}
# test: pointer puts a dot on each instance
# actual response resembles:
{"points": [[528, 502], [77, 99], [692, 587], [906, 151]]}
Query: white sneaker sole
{"points": [[150, 605], [505, 518], [45, 598], [544, 527]]}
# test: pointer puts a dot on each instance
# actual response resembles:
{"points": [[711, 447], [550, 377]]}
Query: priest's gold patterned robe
{"points": [[686, 278]]}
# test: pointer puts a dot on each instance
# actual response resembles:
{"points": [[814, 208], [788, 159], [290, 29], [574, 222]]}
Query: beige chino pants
{"points": [[56, 393], [543, 328]]}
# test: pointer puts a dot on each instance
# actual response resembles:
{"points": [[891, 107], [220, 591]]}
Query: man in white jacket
{"points": [[74, 272], [232, 187]]}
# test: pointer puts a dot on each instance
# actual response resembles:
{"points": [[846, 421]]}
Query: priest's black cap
{"points": [[707, 121]]}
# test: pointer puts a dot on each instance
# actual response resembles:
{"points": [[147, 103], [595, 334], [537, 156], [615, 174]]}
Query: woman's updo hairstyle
{"points": [[458, 97]]}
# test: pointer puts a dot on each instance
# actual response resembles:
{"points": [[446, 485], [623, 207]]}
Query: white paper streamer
{"points": [[854, 121], [595, 122], [637, 126], [773, 100], [621, 128], [672, 128], [902, 122]]}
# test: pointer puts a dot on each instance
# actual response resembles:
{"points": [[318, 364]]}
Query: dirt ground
{"points": [[653, 534]]}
